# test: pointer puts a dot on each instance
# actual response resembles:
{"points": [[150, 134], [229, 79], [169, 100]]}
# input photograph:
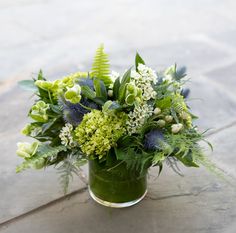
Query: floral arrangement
{"points": [[141, 116]]}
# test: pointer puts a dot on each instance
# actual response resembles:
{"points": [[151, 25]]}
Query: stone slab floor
{"points": [[60, 37]]}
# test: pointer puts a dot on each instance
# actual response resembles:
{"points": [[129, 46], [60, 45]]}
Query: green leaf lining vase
{"points": [[114, 185]]}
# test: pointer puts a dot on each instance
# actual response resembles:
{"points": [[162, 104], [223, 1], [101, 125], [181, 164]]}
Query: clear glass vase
{"points": [[114, 186]]}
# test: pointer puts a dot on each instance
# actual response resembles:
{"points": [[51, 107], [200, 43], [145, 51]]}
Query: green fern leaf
{"points": [[101, 66]]}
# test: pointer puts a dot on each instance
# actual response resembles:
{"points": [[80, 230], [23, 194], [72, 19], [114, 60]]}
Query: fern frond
{"points": [[101, 66]]}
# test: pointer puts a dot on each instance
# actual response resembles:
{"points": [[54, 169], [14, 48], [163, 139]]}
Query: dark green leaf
{"points": [[187, 160], [138, 60], [124, 81], [116, 88], [100, 89]]}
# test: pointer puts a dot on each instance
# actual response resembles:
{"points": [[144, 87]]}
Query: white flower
{"points": [[137, 118], [114, 75], [147, 73], [144, 81], [66, 136]]}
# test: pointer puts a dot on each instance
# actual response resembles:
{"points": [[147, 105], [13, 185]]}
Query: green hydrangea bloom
{"points": [[99, 131], [38, 111]]}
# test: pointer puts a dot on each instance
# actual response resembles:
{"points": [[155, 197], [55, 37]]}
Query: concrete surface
{"points": [[61, 37]]}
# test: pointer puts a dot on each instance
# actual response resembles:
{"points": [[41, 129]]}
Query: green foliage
{"points": [[185, 147], [122, 88], [177, 74], [100, 89], [87, 92], [134, 161], [116, 88], [101, 67], [138, 60], [44, 154], [68, 167]]}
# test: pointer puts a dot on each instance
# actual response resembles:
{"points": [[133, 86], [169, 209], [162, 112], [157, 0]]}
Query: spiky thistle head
{"points": [[73, 113], [153, 139]]}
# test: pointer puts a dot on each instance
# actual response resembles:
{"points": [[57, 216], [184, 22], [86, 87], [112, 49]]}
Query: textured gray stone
{"points": [[215, 107], [196, 203], [225, 76], [196, 55], [225, 150]]}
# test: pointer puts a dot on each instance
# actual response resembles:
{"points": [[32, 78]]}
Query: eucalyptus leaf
{"points": [[28, 85]]}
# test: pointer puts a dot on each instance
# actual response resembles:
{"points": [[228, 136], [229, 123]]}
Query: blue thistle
{"points": [[185, 92], [73, 113], [152, 139]]}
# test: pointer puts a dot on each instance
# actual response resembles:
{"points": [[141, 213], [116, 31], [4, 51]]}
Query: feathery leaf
{"points": [[101, 66]]}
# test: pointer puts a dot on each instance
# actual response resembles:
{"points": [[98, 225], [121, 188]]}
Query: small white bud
{"points": [[161, 123], [175, 128], [157, 111], [110, 93], [168, 118]]}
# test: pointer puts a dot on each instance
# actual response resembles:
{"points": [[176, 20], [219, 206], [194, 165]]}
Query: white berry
{"points": [[110, 93], [175, 128], [157, 111], [168, 118]]}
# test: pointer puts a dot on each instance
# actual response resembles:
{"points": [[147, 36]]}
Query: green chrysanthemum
{"points": [[99, 131]]}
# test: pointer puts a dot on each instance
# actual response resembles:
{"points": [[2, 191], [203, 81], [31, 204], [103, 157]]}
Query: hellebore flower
{"points": [[26, 150], [153, 139]]}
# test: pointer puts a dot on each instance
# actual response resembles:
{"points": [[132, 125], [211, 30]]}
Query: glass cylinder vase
{"points": [[114, 185]]}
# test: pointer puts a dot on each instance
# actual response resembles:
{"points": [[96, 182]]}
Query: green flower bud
{"points": [[26, 150], [139, 93], [130, 87], [38, 111], [130, 99], [31, 130], [184, 115], [26, 130]]}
